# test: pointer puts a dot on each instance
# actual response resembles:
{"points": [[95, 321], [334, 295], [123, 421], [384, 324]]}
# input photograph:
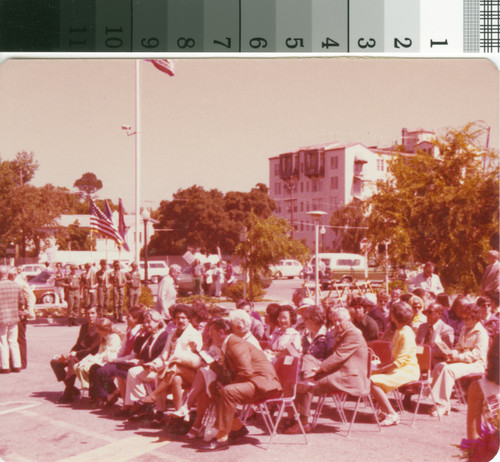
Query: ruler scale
{"points": [[284, 26]]}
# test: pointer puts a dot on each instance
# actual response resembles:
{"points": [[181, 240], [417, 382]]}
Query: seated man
{"points": [[245, 377], [346, 369], [366, 324], [434, 331], [257, 326], [87, 343]]}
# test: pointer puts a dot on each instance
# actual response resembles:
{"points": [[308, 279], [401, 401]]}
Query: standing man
{"points": [[27, 313], [63, 365], [427, 280], [247, 376], [89, 283], [134, 285], [197, 275], [59, 284], [72, 285], [103, 288], [490, 282], [11, 302], [118, 279], [167, 293]]}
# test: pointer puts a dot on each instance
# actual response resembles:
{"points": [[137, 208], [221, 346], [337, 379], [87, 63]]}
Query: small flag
{"points": [[121, 224], [102, 224], [164, 65]]}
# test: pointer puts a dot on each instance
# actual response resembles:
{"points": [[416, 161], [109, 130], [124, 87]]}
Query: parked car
{"points": [[157, 270], [29, 271], [43, 287], [287, 268]]}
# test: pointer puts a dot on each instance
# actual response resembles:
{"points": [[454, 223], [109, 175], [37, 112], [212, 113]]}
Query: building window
{"points": [[314, 186], [302, 226], [302, 167], [277, 188], [302, 206], [301, 187], [334, 182], [276, 169], [334, 162], [380, 165], [307, 186]]}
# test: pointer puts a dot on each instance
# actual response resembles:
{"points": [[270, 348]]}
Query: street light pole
{"points": [[145, 217], [316, 215]]}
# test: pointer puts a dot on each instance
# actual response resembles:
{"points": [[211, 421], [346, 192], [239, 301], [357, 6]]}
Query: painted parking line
{"points": [[120, 450], [21, 405]]}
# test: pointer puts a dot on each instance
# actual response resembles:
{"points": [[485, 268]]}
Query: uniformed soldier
{"points": [[134, 285], [103, 288], [89, 284], [118, 280], [72, 285]]}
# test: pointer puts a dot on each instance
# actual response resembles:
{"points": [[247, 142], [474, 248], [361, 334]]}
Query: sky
{"points": [[217, 121]]}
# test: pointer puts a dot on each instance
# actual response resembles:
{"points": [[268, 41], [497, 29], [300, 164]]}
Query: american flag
{"points": [[122, 229], [102, 224], [164, 65]]}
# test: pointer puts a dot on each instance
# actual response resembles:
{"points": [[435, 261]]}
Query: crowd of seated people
{"points": [[196, 358]]}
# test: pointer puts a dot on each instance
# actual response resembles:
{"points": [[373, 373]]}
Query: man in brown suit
{"points": [[346, 369], [246, 376]]}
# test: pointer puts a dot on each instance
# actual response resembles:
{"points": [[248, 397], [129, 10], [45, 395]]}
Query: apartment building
{"points": [[328, 176]]}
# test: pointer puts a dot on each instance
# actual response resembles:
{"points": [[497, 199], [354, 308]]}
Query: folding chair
{"points": [[383, 350], [340, 398], [287, 369], [424, 355]]}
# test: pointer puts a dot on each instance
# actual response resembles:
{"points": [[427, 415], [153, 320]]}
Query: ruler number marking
{"points": [[184, 42], [363, 43], [114, 41], [329, 43], [406, 44], [258, 42], [294, 42], [227, 44], [444, 42], [151, 42]]}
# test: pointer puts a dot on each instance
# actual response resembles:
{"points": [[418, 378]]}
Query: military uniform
{"points": [[73, 287], [103, 290], [118, 280], [134, 287], [89, 283]]}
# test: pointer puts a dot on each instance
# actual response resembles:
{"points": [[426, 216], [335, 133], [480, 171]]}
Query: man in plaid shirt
{"points": [[11, 301]]}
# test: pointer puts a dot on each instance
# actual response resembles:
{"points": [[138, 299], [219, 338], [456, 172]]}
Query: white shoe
{"points": [[390, 420], [181, 413], [440, 410]]}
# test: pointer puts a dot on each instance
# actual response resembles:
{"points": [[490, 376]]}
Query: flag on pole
{"points": [[107, 210], [121, 223], [164, 65], [102, 224]]}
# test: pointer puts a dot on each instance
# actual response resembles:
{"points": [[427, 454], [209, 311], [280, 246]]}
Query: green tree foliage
{"points": [[268, 240], [207, 219], [75, 237], [352, 217], [27, 211], [88, 184], [442, 208]]}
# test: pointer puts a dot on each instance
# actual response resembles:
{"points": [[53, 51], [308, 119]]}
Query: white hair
{"points": [[342, 313], [240, 316]]}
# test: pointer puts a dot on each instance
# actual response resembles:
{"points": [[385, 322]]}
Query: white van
{"points": [[345, 267], [157, 270]]}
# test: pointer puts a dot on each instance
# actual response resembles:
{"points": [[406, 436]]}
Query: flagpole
{"points": [[137, 156]]}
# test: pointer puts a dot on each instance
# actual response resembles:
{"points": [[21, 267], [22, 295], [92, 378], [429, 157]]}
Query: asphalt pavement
{"points": [[33, 427]]}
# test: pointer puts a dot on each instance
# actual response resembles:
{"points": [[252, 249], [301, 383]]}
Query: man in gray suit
{"points": [[435, 331], [345, 370]]}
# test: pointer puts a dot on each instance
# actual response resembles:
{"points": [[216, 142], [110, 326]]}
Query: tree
{"points": [[353, 218], [209, 219], [88, 184], [442, 208], [268, 240], [74, 237]]}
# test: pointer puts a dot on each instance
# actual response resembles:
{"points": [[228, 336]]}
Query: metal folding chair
{"points": [[287, 369]]}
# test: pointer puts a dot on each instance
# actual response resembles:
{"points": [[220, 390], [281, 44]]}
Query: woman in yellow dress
{"points": [[404, 366]]}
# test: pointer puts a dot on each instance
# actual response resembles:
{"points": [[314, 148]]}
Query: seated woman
{"points": [[360, 318], [419, 318], [483, 410], [174, 369], [271, 320], [468, 357], [285, 340], [404, 366], [316, 340], [108, 350], [102, 385]]}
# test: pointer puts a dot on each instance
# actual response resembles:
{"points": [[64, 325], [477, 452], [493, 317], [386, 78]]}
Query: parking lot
{"points": [[36, 428]]}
